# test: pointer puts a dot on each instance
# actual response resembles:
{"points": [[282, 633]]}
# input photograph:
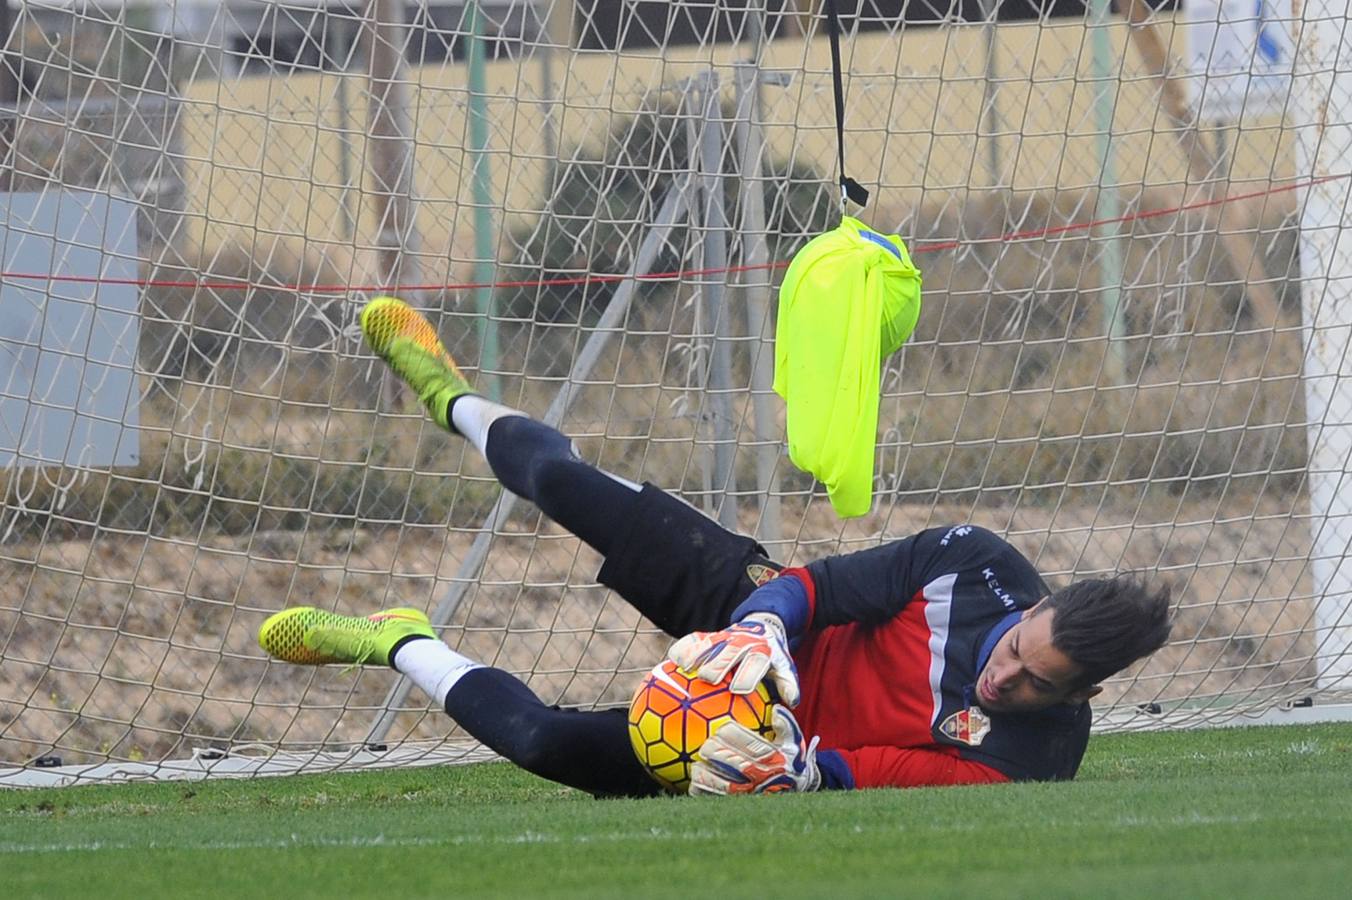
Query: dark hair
{"points": [[1106, 624]]}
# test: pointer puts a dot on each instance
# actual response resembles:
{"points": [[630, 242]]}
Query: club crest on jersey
{"points": [[969, 725], [760, 574]]}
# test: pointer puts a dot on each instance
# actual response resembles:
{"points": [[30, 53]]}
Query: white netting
{"points": [[1123, 396]]}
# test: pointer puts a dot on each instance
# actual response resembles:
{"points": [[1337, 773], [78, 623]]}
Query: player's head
{"points": [[1064, 646]]}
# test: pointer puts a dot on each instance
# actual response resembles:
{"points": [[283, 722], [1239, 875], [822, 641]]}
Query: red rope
{"points": [[604, 278]]}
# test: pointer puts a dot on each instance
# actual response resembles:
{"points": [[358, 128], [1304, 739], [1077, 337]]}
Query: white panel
{"points": [[1324, 147], [67, 338]]}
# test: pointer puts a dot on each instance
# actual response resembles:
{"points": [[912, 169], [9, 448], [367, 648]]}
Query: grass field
{"points": [[1255, 812]]}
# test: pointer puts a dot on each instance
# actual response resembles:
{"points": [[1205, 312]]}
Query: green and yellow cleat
{"points": [[314, 637], [401, 336]]}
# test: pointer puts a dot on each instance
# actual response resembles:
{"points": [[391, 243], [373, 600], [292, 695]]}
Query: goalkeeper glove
{"points": [[736, 760], [756, 647]]}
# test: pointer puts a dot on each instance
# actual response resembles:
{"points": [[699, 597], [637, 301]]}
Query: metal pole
{"points": [[1233, 225], [391, 144], [1322, 95], [481, 177], [346, 194], [712, 217], [1109, 205], [674, 206], [558, 35], [750, 139], [989, 113], [9, 98]]}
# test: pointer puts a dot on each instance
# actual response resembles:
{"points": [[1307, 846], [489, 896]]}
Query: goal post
{"points": [[647, 170], [1323, 104]]}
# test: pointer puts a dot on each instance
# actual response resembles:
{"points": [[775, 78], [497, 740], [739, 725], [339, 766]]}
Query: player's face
{"points": [[1025, 673]]}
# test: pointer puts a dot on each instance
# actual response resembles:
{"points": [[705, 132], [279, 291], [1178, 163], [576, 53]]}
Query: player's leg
{"points": [[678, 567], [529, 458], [589, 751], [539, 464], [681, 569]]}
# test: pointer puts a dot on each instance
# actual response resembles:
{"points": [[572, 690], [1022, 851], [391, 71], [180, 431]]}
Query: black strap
{"points": [[855, 191]]}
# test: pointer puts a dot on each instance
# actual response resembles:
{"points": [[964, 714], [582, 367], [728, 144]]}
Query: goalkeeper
{"points": [[941, 658]]}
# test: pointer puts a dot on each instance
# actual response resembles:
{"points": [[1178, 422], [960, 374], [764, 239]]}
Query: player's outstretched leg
{"points": [[529, 458], [582, 749], [682, 570], [401, 336]]}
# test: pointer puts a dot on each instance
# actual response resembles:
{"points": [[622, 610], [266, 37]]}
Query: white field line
{"points": [[542, 837]]}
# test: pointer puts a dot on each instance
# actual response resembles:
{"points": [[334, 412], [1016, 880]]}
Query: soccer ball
{"points": [[673, 712]]}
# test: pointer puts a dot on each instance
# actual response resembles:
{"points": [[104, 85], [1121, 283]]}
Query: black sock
{"points": [[536, 462], [586, 750]]}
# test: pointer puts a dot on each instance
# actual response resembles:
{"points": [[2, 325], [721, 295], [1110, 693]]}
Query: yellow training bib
{"points": [[850, 298]]}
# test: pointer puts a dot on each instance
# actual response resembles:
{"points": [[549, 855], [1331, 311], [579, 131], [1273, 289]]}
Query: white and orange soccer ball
{"points": [[674, 712]]}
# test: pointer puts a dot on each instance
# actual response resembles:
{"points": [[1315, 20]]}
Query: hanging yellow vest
{"points": [[850, 298]]}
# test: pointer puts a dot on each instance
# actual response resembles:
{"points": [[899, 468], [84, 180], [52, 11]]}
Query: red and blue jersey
{"points": [[890, 643]]}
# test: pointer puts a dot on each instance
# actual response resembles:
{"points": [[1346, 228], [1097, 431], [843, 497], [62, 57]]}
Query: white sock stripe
{"points": [[624, 481]]}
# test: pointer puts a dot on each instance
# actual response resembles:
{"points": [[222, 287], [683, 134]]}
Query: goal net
{"points": [[1128, 358]]}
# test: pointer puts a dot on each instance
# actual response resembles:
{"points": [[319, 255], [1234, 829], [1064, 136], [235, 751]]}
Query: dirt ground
{"points": [[140, 647]]}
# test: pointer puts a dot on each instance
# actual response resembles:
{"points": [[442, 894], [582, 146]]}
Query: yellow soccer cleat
{"points": [[401, 336], [314, 637]]}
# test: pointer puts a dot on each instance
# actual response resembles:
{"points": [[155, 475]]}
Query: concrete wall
{"points": [[264, 155]]}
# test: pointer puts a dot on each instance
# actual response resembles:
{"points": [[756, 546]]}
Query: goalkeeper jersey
{"points": [[893, 639]]}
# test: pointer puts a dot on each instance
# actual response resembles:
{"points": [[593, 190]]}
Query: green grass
{"points": [[1257, 812]]}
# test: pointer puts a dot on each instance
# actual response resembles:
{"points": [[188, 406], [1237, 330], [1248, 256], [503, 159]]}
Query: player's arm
{"points": [[755, 646], [875, 767], [737, 760], [872, 586], [869, 586]]}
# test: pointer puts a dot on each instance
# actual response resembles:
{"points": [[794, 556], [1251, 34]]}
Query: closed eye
{"points": [[1041, 685]]}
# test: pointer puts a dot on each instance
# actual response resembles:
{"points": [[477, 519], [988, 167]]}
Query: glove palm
{"points": [[736, 760]]}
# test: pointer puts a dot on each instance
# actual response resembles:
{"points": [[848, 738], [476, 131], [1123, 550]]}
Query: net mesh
{"points": [[1107, 371]]}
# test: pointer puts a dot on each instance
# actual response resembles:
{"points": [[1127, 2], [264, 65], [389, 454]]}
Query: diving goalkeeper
{"points": [[941, 658]]}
